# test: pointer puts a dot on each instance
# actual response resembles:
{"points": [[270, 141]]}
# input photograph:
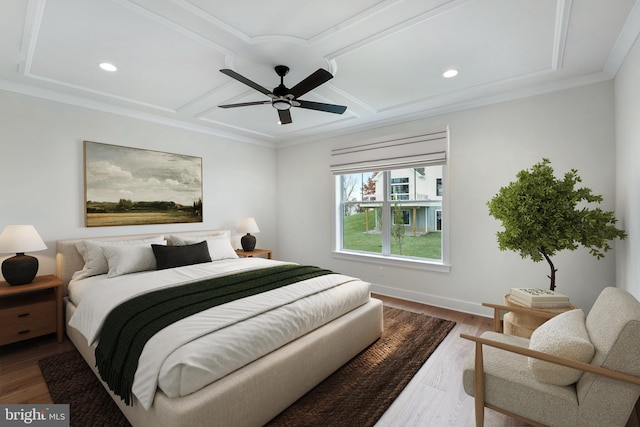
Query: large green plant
{"points": [[540, 216]]}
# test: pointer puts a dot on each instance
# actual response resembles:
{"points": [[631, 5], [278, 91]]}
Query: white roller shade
{"points": [[392, 153]]}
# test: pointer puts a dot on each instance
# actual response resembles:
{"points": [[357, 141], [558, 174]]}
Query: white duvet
{"points": [[202, 348]]}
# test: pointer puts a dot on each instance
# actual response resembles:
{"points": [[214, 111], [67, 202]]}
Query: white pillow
{"points": [[566, 336], [94, 260], [219, 245], [180, 240], [125, 259]]}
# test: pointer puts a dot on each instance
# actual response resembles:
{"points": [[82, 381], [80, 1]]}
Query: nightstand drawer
{"points": [[24, 330], [27, 316], [27, 313], [31, 310]]}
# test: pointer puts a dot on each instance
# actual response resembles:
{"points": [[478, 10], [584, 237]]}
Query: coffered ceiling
{"points": [[387, 57]]}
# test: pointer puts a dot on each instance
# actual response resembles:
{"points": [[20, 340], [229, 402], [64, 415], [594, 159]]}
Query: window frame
{"points": [[435, 219], [409, 222], [442, 266], [393, 185]]}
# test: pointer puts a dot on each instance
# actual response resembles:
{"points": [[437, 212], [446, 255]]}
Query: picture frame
{"points": [[133, 186]]}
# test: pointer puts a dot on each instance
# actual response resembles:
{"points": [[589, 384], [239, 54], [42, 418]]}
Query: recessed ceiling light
{"points": [[450, 73], [107, 66]]}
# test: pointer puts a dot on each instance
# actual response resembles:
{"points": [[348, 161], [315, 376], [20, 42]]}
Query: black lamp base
{"points": [[20, 269], [248, 242]]}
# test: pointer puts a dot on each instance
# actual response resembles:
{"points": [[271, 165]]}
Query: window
{"points": [[400, 188], [400, 216], [390, 204], [379, 214]]}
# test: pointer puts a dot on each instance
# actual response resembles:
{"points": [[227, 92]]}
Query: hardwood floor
{"points": [[433, 398], [20, 377]]}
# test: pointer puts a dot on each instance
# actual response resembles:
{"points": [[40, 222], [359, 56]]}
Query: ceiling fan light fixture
{"points": [[281, 104], [282, 98]]}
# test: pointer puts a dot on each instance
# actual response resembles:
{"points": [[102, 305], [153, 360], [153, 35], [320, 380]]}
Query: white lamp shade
{"points": [[20, 239], [248, 225]]}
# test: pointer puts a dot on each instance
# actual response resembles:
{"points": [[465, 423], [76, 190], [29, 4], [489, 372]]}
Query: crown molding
{"points": [[563, 14], [452, 104], [76, 101], [624, 43]]}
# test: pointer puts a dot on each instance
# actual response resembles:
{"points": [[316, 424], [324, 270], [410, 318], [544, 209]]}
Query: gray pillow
{"points": [[566, 336]]}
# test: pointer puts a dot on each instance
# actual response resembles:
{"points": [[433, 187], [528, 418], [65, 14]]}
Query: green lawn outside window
{"points": [[356, 238]]}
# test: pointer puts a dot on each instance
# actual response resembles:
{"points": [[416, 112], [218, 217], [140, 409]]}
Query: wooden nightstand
{"points": [[522, 324], [28, 311], [254, 252]]}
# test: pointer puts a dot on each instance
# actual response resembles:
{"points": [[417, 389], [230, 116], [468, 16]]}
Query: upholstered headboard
{"points": [[69, 260]]}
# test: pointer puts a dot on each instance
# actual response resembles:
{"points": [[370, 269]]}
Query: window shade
{"points": [[396, 153]]}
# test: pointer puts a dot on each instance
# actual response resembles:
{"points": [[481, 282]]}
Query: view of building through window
{"points": [[393, 213]]}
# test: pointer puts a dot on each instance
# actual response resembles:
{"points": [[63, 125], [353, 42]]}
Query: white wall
{"points": [[489, 145], [627, 113], [42, 183]]}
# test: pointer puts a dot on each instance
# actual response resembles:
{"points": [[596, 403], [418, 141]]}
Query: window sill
{"points": [[393, 261]]}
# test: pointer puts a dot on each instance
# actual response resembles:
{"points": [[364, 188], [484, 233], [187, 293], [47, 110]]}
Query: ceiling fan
{"points": [[283, 98]]}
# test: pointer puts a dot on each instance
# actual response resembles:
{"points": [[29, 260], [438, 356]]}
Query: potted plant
{"points": [[541, 216]]}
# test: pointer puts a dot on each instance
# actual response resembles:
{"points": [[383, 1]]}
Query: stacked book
{"points": [[538, 298]]}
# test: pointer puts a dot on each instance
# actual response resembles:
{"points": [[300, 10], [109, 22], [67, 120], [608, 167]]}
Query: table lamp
{"points": [[248, 242], [20, 269]]}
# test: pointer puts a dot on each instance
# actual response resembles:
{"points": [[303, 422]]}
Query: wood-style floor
{"points": [[434, 397]]}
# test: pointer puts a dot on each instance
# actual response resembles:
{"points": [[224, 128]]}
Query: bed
{"points": [[247, 395]]}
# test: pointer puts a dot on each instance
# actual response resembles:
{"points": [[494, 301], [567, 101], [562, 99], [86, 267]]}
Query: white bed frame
{"points": [[254, 394]]}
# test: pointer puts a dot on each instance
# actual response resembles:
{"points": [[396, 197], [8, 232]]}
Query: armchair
{"points": [[500, 376]]}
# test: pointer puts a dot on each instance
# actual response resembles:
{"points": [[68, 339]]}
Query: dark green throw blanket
{"points": [[130, 325]]}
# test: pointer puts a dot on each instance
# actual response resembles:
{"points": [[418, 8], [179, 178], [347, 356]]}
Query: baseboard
{"points": [[434, 300]]}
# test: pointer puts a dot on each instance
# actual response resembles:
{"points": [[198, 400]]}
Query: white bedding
{"points": [[200, 349]]}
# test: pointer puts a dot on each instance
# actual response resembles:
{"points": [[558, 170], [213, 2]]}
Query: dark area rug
{"points": [[355, 395], [70, 380]]}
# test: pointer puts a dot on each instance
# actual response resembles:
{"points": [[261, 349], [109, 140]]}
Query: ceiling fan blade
{"points": [[244, 104], [246, 81], [314, 80], [329, 108], [285, 116]]}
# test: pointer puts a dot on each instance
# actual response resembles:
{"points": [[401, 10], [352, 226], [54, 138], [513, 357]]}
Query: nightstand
{"points": [[254, 252], [522, 324], [28, 311]]}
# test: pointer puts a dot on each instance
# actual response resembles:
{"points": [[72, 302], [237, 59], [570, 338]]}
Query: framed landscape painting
{"points": [[132, 186]]}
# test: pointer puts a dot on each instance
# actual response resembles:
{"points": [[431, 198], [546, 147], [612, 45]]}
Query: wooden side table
{"points": [[32, 310], [523, 324], [255, 252]]}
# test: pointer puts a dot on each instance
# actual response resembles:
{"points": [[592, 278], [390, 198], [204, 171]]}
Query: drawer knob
{"points": [[23, 314]]}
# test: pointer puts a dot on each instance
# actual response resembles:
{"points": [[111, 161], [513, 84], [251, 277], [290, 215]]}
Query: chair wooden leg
{"points": [[478, 384], [497, 324]]}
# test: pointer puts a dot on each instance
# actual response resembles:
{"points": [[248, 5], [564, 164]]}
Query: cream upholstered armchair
{"points": [[536, 380]]}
